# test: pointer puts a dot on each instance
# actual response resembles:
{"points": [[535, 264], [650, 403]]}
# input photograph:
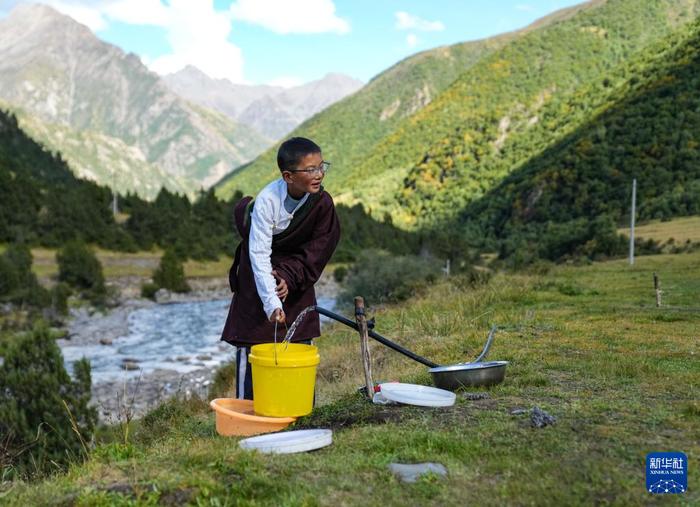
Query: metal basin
{"points": [[454, 376]]}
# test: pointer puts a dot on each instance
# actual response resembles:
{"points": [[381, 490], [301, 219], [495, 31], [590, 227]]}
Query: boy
{"points": [[287, 240]]}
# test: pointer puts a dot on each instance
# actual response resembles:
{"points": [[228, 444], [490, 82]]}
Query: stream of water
{"points": [[180, 337]]}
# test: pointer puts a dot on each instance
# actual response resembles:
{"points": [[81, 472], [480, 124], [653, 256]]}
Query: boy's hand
{"points": [[282, 290], [278, 315]]}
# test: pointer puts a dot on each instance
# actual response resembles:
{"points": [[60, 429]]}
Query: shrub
{"points": [[382, 278], [59, 298], [9, 279], [340, 273], [18, 283], [39, 432], [148, 290], [79, 267], [20, 257], [170, 273]]}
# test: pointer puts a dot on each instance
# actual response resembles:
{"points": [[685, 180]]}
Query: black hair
{"points": [[293, 150]]}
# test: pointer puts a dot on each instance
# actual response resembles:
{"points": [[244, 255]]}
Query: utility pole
{"points": [[632, 214]]}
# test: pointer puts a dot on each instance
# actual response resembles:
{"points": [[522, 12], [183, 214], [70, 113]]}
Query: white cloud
{"points": [[140, 12], [82, 13], [197, 33], [97, 13], [286, 81], [285, 16], [411, 40], [406, 21]]}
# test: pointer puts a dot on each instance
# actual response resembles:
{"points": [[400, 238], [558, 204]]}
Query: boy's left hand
{"points": [[282, 290]]}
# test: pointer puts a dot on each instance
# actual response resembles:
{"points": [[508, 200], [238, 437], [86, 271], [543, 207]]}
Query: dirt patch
{"points": [[120, 488], [352, 411], [178, 497]]}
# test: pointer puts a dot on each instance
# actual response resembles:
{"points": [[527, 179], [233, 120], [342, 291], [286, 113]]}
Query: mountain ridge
{"points": [[351, 129], [270, 110], [480, 127], [56, 69], [570, 199]]}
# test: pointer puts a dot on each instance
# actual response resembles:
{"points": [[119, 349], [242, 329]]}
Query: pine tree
{"points": [[79, 267], [170, 273], [45, 419]]}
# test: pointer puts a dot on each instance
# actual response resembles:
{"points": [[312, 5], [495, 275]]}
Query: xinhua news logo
{"points": [[667, 473]]}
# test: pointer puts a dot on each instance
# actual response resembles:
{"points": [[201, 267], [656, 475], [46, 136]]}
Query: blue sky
{"points": [[293, 41]]}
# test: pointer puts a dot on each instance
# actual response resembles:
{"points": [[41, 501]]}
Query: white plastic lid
{"points": [[412, 394], [287, 442]]}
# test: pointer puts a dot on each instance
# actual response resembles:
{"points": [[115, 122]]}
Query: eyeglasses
{"points": [[314, 171]]}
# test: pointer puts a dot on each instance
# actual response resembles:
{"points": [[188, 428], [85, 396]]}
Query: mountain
{"points": [[350, 129], [268, 115], [507, 106], [569, 199], [43, 203], [101, 158], [218, 94], [272, 110], [84, 91]]}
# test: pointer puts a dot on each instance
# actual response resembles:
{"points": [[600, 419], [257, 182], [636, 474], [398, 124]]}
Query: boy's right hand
{"points": [[278, 315], [282, 290]]}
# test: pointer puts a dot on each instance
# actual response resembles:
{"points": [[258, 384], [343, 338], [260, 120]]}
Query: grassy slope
{"points": [[349, 130], [586, 344], [647, 131], [448, 154], [507, 106], [680, 230]]}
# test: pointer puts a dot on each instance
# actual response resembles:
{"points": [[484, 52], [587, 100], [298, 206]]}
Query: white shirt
{"points": [[268, 218]]}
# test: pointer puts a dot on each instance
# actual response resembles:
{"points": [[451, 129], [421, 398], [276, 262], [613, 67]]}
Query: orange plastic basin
{"points": [[237, 418]]}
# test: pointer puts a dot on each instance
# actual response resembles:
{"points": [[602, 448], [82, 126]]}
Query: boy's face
{"points": [[304, 178]]}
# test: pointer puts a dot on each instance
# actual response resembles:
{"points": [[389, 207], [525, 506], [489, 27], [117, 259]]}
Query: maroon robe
{"points": [[299, 254]]}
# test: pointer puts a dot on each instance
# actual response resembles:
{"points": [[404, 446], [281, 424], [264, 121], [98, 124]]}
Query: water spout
{"points": [[297, 321]]}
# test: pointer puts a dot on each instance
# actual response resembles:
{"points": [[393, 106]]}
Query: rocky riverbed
{"points": [[135, 366]]}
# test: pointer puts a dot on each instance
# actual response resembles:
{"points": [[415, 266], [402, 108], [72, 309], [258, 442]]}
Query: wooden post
{"points": [[657, 289], [364, 344]]}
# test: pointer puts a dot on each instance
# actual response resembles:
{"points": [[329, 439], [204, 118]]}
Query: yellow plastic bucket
{"points": [[284, 388]]}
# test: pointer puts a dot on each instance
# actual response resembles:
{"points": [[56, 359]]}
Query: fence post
{"points": [[657, 289], [634, 204], [361, 320]]}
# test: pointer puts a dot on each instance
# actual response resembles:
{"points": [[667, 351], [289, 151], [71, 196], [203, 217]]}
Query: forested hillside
{"points": [[509, 105], [570, 198], [508, 108], [99, 157], [573, 107], [349, 130], [107, 113], [43, 203], [41, 200]]}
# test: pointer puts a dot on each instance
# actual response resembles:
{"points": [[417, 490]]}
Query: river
{"points": [[142, 353]]}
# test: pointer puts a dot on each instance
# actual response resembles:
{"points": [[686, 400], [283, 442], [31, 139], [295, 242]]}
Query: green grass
{"points": [[121, 264], [586, 344], [681, 230]]}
